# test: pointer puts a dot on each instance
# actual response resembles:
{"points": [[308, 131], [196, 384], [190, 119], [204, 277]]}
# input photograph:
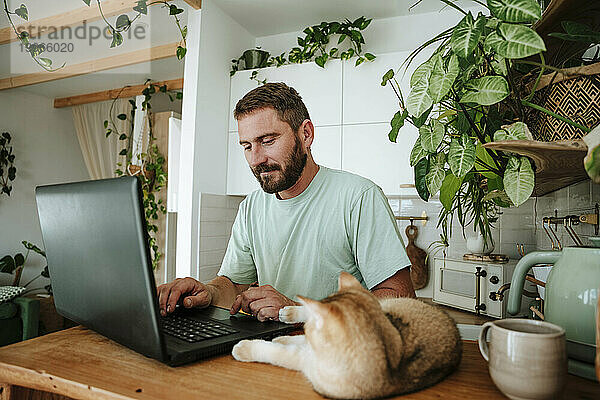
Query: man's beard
{"points": [[291, 171]]}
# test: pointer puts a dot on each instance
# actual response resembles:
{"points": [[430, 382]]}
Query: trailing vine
{"points": [[8, 171], [314, 46], [122, 24], [152, 174]]}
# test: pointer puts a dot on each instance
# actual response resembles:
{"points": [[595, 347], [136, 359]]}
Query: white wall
{"points": [[47, 151], [214, 39]]}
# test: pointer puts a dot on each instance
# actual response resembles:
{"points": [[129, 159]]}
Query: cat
{"points": [[357, 346]]}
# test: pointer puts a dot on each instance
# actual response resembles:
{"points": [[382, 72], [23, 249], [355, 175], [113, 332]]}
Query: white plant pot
{"points": [[476, 245]]}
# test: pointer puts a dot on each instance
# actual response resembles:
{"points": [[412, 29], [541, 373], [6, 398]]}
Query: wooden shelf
{"points": [[582, 11], [557, 164]]}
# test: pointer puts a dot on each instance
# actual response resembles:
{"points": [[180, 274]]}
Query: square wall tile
{"points": [[579, 195]]}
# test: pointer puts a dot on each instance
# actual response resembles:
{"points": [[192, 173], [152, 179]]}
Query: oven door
{"points": [[462, 285]]}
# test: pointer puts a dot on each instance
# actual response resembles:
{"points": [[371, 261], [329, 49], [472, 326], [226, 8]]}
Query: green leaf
{"points": [[19, 260], [7, 264], [117, 39], [33, 247], [431, 136], [436, 174], [181, 51], [179, 95], [519, 179], [141, 7], [45, 273], [421, 170], [87, 2], [418, 101], [105, 124], [486, 91], [397, 123], [516, 41], [46, 61], [420, 76], [22, 12], [342, 38], [498, 64], [369, 56], [123, 136], [591, 163], [450, 186], [442, 78], [417, 153], [514, 131], [387, 76], [359, 61], [123, 152], [320, 61], [420, 121], [174, 10], [515, 10], [122, 117], [483, 156], [466, 35], [461, 156], [123, 22]]}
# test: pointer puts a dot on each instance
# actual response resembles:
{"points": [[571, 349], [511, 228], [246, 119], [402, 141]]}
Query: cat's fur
{"points": [[356, 346]]}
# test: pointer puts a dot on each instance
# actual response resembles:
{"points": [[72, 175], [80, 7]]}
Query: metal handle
{"points": [[478, 305]]}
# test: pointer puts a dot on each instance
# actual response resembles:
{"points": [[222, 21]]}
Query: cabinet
{"points": [[368, 152], [351, 112]]}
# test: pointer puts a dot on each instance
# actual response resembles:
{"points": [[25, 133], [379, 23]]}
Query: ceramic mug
{"points": [[527, 359]]}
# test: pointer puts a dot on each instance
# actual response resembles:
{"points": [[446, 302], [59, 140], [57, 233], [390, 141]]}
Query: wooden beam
{"points": [[196, 4], [56, 23], [129, 91], [101, 64]]}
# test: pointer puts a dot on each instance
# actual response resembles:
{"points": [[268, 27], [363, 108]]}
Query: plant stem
{"points": [[513, 89], [537, 81], [555, 115]]}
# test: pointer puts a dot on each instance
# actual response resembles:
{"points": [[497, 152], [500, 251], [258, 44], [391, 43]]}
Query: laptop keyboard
{"points": [[192, 330]]}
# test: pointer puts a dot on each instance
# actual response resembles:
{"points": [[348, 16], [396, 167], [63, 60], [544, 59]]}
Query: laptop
{"points": [[96, 243]]}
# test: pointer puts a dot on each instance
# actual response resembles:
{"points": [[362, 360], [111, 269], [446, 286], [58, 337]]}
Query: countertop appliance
{"points": [[571, 299], [473, 286]]}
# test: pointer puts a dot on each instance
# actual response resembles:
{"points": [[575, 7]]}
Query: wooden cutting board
{"points": [[419, 271]]}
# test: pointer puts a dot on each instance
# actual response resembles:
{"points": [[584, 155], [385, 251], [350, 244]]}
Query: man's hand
{"points": [[264, 302], [191, 293]]}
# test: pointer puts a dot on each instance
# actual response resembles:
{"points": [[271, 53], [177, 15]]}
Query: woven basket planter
{"points": [[575, 95]]}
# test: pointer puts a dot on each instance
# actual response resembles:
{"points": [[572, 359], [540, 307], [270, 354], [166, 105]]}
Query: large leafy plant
{"points": [[473, 90], [14, 264]]}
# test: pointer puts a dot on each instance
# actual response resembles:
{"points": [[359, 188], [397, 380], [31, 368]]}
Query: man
{"points": [[307, 224]]}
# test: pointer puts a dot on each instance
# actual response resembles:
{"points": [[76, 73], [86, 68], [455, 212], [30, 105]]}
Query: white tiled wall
{"points": [[577, 199], [217, 213]]}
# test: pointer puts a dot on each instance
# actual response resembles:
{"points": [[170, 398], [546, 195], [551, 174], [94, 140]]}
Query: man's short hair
{"points": [[277, 95]]}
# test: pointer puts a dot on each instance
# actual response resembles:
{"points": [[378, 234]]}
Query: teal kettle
{"points": [[571, 299]]}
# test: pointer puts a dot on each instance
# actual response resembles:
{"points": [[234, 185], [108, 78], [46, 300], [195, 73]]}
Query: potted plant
{"points": [[476, 88], [315, 46], [14, 264]]}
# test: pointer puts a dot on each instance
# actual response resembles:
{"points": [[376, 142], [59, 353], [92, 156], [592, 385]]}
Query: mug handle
{"points": [[483, 346]]}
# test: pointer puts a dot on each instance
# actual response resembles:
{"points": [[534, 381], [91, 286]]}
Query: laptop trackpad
{"points": [[210, 312]]}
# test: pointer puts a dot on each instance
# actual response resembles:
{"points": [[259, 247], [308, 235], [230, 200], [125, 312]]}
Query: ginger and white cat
{"points": [[358, 346]]}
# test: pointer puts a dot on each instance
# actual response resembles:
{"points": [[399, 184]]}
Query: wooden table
{"points": [[79, 363]]}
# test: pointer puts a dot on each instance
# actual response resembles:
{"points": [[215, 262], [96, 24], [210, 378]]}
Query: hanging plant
{"points": [[149, 167], [8, 171], [314, 46], [116, 29]]}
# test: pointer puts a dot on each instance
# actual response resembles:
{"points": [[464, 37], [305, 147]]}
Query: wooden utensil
{"points": [[419, 271]]}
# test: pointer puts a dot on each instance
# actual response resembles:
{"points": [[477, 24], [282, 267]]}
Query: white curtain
{"points": [[101, 153]]}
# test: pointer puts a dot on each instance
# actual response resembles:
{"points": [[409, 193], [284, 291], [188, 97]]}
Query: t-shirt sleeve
{"points": [[377, 244], [238, 263]]}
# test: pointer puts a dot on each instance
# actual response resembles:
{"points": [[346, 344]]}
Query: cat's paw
{"points": [[242, 351], [292, 314]]}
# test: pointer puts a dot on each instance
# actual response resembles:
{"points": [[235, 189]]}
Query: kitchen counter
{"points": [[79, 363]]}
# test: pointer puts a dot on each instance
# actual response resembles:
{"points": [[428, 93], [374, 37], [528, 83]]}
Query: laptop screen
{"points": [[94, 234]]}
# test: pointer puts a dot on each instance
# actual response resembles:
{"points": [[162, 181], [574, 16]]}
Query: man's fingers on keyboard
{"points": [[200, 300]]}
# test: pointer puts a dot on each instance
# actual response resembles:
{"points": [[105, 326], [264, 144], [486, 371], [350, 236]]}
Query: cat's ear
{"points": [[316, 310], [348, 281]]}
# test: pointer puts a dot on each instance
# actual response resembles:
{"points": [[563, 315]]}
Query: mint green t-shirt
{"points": [[340, 222]]}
